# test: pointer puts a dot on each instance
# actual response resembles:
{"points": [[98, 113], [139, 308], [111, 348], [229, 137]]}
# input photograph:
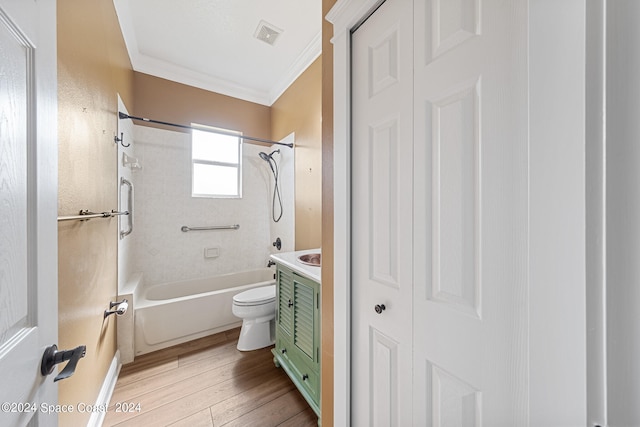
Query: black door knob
{"points": [[380, 308]]}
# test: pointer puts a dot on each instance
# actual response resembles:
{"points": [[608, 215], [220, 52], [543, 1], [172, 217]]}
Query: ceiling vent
{"points": [[266, 32]]}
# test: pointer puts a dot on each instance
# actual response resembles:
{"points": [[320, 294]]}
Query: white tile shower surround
{"points": [[163, 203]]}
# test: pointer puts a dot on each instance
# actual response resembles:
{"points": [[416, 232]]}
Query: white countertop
{"points": [[290, 260]]}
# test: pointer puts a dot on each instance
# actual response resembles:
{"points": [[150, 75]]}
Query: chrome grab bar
{"points": [[214, 227], [86, 214], [128, 183]]}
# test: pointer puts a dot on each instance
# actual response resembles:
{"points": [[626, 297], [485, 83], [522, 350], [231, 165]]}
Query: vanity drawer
{"points": [[310, 381]]}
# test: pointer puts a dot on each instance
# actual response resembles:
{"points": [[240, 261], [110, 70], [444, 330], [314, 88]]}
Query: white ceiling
{"points": [[210, 44]]}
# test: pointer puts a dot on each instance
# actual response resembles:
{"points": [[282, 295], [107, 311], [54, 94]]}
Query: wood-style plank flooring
{"points": [[207, 382]]}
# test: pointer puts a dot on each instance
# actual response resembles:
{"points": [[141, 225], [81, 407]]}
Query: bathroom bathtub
{"points": [[167, 314]]}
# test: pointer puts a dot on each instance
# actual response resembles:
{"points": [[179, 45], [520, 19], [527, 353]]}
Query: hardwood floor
{"points": [[207, 382]]}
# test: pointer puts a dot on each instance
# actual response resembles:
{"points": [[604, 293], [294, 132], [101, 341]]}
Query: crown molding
{"points": [[170, 71], [304, 60]]}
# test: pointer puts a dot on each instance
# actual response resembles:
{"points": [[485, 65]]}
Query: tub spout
{"points": [[270, 263]]}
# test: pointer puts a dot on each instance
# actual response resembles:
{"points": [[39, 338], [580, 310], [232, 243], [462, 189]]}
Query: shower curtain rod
{"points": [[221, 132]]}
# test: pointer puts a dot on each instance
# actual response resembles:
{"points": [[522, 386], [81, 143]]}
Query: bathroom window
{"points": [[216, 163]]}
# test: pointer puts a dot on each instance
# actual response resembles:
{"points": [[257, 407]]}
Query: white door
{"points": [[382, 87], [28, 209], [439, 215], [471, 212]]}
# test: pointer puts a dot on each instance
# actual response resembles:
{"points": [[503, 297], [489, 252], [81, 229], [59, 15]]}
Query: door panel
{"points": [[455, 189], [450, 401], [382, 216], [28, 200], [383, 198], [384, 381], [470, 214], [439, 214], [15, 53]]}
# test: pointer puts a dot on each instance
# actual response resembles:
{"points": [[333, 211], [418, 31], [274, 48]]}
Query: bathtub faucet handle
{"points": [[120, 308], [270, 263], [278, 244]]}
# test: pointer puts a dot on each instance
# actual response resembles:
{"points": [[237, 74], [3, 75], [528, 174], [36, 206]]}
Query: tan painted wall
{"points": [[93, 67], [299, 110], [327, 219], [172, 102]]}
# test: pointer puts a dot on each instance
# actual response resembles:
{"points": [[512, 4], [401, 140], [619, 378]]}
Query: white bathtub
{"points": [[167, 314]]}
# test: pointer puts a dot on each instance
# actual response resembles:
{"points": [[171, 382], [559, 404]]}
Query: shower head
{"points": [[267, 157]]}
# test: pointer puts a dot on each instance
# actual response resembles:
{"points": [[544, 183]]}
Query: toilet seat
{"points": [[256, 296]]}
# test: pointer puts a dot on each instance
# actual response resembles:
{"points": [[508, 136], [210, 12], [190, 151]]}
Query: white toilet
{"points": [[257, 309]]}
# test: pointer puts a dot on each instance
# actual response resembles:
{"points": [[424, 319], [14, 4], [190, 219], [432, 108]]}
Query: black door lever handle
{"points": [[52, 357]]}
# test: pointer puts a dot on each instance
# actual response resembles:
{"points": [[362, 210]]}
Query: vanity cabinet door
{"points": [[306, 320], [306, 334], [284, 312]]}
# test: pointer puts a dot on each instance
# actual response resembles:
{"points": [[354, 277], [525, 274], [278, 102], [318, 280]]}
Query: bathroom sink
{"points": [[311, 259]]}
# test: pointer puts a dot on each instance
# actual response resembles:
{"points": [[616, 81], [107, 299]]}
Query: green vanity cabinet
{"points": [[297, 348]]}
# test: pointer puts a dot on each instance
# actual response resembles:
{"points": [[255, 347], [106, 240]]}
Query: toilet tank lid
{"points": [[263, 293]]}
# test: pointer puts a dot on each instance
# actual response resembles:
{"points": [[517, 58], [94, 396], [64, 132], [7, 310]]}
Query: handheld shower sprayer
{"points": [[267, 157], [276, 190]]}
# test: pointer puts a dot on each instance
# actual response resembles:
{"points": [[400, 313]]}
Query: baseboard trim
{"points": [[106, 391]]}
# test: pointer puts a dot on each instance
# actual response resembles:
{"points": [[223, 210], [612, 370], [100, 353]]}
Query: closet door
{"points": [[470, 213], [382, 87]]}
